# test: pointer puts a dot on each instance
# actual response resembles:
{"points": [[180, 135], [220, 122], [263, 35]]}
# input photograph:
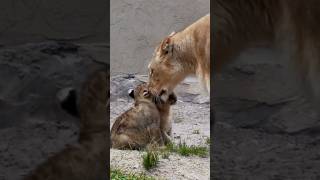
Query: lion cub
{"points": [[147, 122], [88, 158]]}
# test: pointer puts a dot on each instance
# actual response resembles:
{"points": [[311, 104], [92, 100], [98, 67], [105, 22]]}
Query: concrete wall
{"points": [[137, 26]]}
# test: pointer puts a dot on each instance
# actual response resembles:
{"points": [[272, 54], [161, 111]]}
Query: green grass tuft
{"points": [[208, 140], [185, 150], [170, 147], [150, 159], [165, 154], [116, 174]]}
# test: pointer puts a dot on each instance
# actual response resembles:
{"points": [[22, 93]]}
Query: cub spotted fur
{"points": [[86, 160], [147, 122]]}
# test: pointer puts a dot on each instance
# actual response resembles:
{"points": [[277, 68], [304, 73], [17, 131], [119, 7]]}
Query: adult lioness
{"points": [[179, 55]]}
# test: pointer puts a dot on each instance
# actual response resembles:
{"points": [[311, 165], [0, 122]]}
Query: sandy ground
{"points": [[190, 114], [175, 167]]}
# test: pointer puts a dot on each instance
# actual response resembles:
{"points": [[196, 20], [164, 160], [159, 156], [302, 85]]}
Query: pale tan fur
{"points": [[181, 54], [86, 160], [147, 122], [292, 26], [164, 109]]}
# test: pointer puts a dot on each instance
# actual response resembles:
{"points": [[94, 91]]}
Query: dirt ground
{"points": [[252, 154], [266, 127], [190, 114]]}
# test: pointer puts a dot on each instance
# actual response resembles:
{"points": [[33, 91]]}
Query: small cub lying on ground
{"points": [[147, 122]]}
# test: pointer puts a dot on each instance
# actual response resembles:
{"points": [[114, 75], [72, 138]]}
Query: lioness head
{"points": [[165, 67]]}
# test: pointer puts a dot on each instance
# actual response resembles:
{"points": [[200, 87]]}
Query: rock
{"points": [[257, 94], [265, 126]]}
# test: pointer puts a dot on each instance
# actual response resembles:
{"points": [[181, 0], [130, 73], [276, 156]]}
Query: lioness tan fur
{"points": [[291, 26], [86, 160], [181, 54], [147, 122]]}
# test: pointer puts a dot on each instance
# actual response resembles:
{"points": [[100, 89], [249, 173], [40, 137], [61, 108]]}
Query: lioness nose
{"points": [[162, 92]]}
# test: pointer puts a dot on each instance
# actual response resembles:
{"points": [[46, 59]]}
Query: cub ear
{"points": [[131, 93], [172, 99]]}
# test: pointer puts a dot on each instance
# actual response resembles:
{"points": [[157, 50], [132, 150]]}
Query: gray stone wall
{"points": [[137, 26], [25, 21]]}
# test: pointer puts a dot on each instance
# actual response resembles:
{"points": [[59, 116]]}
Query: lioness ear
{"points": [[167, 46], [173, 33]]}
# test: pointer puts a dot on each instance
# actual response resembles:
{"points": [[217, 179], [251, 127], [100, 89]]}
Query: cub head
{"points": [[142, 92], [165, 69]]}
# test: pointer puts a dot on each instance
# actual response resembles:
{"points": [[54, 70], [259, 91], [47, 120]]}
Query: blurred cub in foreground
{"points": [[147, 122], [87, 159]]}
